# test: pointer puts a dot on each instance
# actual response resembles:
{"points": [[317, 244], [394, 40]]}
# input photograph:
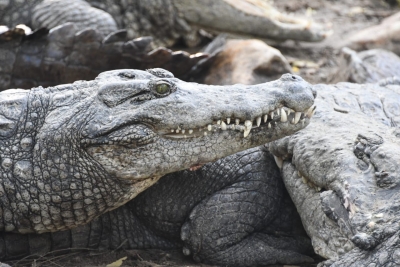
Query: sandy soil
{"points": [[319, 62]]}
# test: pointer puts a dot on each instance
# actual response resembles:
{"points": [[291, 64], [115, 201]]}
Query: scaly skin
{"points": [[165, 20], [72, 152], [64, 55], [236, 206], [348, 157], [369, 66]]}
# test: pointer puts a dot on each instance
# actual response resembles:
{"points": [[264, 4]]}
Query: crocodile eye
{"points": [[163, 88]]}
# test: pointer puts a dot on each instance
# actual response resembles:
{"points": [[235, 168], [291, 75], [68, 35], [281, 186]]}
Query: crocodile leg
{"points": [[225, 228]]}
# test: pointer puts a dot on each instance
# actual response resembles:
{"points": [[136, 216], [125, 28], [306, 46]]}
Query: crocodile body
{"points": [[342, 173], [72, 152], [369, 66], [231, 212], [167, 20], [65, 55]]}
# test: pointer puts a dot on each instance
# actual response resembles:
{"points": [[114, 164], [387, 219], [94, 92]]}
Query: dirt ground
{"points": [[345, 18]]}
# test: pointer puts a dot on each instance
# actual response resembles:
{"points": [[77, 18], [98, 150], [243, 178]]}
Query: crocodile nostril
{"points": [[314, 92]]}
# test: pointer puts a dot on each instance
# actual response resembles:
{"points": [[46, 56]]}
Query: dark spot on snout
{"points": [[127, 75]]}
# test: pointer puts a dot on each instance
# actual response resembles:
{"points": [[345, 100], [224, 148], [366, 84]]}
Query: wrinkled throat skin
{"points": [[72, 152], [343, 172]]}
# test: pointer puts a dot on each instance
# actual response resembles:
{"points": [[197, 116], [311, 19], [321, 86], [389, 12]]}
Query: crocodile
{"points": [[64, 55], [231, 212], [384, 35], [368, 66], [74, 151], [342, 173], [168, 21]]}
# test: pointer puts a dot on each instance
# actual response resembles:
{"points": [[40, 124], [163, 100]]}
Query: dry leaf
{"points": [[117, 263]]}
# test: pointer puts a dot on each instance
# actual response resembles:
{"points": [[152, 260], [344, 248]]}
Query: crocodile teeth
{"points": [[278, 111], [310, 112], [258, 121], [190, 131], [172, 130], [183, 131], [177, 131], [265, 118], [269, 125], [297, 116], [283, 116], [248, 125], [228, 120], [219, 122], [271, 114], [209, 127], [237, 121], [278, 161], [223, 126], [205, 133]]}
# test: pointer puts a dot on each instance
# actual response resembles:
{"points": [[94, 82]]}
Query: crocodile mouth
{"points": [[269, 121]]}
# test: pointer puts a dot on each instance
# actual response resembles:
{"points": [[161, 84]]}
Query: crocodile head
{"points": [[151, 123], [85, 148], [343, 173]]}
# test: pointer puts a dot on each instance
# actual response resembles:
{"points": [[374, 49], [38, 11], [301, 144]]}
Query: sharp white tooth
{"points": [[288, 112], [223, 126], [269, 125], [248, 124], [292, 121], [271, 114], [297, 117], [209, 127], [258, 121], [177, 130], [205, 133], [190, 131], [312, 113], [183, 131], [228, 120], [237, 121], [246, 132], [172, 130], [219, 122], [278, 161], [185, 136], [265, 118], [310, 110], [283, 116]]}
